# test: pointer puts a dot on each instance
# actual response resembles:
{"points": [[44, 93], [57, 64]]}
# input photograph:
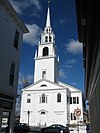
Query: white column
{"points": [[1, 113]]}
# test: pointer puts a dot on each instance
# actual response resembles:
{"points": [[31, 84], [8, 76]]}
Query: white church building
{"points": [[49, 101]]}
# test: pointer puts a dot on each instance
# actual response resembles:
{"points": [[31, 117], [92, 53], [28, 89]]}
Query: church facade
{"points": [[49, 101]]}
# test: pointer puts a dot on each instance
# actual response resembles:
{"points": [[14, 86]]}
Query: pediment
{"points": [[43, 84], [42, 110]]}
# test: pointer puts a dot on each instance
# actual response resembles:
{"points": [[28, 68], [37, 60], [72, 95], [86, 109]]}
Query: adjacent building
{"points": [[11, 33], [49, 101], [88, 19]]}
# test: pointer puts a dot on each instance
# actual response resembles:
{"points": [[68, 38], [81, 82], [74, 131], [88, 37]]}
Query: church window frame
{"points": [[43, 98], [50, 39], [28, 100], [43, 85], [73, 117], [77, 100], [46, 30], [46, 38], [45, 51], [59, 97], [46, 99], [43, 113], [16, 40], [44, 74], [74, 100], [70, 100], [12, 73]]}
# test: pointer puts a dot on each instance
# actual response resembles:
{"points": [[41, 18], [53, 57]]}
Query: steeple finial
{"points": [[48, 16], [48, 3]]}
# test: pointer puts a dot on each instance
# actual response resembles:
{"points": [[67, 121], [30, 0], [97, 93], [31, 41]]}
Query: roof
{"points": [[49, 85], [71, 88], [45, 84], [10, 10]]}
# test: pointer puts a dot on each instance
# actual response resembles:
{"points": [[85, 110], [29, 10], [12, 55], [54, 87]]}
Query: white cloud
{"points": [[19, 6], [72, 61], [22, 79], [34, 34], [69, 66], [16, 5], [74, 47], [62, 73], [36, 3]]}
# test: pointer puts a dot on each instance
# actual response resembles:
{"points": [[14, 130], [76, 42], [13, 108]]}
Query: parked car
{"points": [[19, 127], [55, 128]]}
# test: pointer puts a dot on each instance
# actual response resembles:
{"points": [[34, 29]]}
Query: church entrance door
{"points": [[43, 119]]}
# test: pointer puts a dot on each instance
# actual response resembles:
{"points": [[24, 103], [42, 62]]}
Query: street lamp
{"points": [[28, 112]]}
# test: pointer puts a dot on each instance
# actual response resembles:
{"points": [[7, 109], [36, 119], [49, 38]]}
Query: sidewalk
{"points": [[82, 129]]}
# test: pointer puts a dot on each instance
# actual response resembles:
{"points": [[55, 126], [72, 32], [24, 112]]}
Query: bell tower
{"points": [[46, 62]]}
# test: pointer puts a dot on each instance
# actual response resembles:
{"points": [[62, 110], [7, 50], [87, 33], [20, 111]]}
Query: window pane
{"points": [[43, 85], [12, 68], [77, 100], [46, 39], [47, 30], [43, 113], [46, 99], [11, 75], [43, 74], [50, 38], [71, 116], [58, 97], [70, 100], [16, 39], [45, 51], [74, 100], [28, 100], [43, 98]]}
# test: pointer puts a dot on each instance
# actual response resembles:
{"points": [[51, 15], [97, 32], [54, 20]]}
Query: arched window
{"points": [[43, 85], [46, 39], [28, 98], [50, 38], [12, 72], [47, 30], [45, 51], [43, 98], [58, 97], [43, 113]]}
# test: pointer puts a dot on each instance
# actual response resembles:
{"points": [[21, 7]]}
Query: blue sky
{"points": [[63, 21]]}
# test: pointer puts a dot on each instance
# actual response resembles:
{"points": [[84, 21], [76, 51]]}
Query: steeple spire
{"points": [[48, 16]]}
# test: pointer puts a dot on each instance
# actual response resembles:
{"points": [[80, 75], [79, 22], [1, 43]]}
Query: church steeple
{"points": [[46, 62], [48, 36], [48, 17]]}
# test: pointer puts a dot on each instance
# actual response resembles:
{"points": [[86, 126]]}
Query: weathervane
{"points": [[48, 3]]}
